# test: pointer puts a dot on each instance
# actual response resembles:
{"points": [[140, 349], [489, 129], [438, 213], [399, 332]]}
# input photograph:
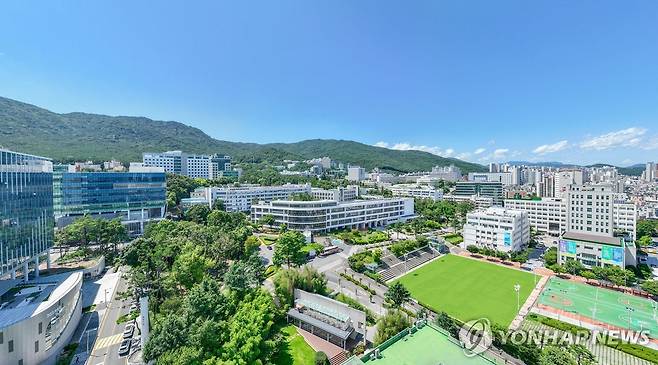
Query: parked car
{"points": [[134, 307], [124, 349], [128, 331]]}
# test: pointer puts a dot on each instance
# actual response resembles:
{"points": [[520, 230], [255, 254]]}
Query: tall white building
{"points": [[564, 178], [546, 215], [356, 173], [191, 165], [497, 228], [650, 171], [591, 235], [240, 198], [327, 215]]}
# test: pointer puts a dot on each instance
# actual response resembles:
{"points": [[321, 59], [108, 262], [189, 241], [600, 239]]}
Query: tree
{"points": [[218, 204], [267, 220], [644, 241], [582, 355], [588, 274], [389, 325], [197, 213], [446, 322], [651, 287], [473, 249], [321, 358], [288, 249], [397, 294], [573, 267], [244, 275], [553, 355], [550, 257], [645, 228]]}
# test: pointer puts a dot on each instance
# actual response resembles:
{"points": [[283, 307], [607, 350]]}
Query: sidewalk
{"points": [[532, 298]]}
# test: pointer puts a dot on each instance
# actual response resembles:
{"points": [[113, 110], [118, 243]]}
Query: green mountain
{"points": [[81, 136]]}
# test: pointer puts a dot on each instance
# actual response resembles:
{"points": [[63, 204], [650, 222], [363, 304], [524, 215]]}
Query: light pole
{"points": [[517, 289]]}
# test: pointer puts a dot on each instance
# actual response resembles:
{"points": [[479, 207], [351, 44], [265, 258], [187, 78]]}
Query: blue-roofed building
{"points": [[137, 198], [26, 210]]}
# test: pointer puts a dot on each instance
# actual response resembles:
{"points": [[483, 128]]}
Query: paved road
{"points": [[109, 338]]}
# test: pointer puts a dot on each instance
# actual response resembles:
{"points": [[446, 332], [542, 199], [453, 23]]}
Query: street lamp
{"points": [[517, 289]]}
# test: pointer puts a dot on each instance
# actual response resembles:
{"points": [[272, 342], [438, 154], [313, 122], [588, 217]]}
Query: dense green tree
{"points": [[390, 324], [307, 278], [646, 227], [554, 355], [550, 257], [446, 322], [268, 220], [573, 267], [397, 294], [288, 249], [197, 213], [651, 287]]}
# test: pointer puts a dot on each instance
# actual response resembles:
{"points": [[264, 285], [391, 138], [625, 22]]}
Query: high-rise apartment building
{"points": [[356, 173], [26, 210], [194, 166]]}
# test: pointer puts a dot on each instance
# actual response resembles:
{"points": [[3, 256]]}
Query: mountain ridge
{"points": [[79, 136]]}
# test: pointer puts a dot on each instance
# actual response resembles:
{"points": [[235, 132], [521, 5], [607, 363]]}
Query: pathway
{"points": [[532, 298]]}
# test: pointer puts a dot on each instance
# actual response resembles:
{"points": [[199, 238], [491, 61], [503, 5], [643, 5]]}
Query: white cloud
{"points": [[551, 148], [381, 144], [500, 152], [431, 149], [651, 144], [630, 137], [479, 151]]}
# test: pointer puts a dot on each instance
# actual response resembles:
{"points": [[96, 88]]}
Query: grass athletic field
{"points": [[604, 305], [469, 289]]}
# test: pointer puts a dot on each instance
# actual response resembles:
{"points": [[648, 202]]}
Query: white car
{"points": [[124, 349]]}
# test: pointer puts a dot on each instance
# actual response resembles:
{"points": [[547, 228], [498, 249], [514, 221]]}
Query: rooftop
{"points": [[23, 300], [429, 345], [592, 238]]}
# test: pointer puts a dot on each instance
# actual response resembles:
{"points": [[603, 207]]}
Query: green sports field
{"points": [[604, 305], [469, 289]]}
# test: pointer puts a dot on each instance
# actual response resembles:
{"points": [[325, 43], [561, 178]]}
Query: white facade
{"points": [[505, 178], [356, 173], [624, 215], [546, 215], [589, 209], [497, 228], [240, 198], [38, 321], [480, 202], [327, 215], [417, 191], [194, 166], [565, 178], [338, 194]]}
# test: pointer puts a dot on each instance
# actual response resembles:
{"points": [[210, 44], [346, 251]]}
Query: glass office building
{"points": [[26, 208], [136, 197], [493, 190]]}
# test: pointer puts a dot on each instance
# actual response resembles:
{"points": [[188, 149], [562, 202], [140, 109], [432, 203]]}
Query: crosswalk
{"points": [[108, 341]]}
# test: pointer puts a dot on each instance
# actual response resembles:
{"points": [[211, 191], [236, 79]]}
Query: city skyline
{"points": [[452, 80]]}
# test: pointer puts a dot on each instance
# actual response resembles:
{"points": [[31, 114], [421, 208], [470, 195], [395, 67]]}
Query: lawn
{"points": [[468, 289], [295, 350], [454, 238]]}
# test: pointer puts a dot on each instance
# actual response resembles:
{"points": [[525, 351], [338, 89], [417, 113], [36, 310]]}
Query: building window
{"points": [[2, 338], [10, 346], [40, 327], [36, 346]]}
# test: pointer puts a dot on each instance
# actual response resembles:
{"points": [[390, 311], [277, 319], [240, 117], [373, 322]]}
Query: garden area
{"points": [[294, 350], [403, 247], [454, 238], [359, 262], [356, 237]]}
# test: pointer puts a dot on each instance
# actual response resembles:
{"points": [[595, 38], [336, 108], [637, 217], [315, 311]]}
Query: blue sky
{"points": [[480, 80]]}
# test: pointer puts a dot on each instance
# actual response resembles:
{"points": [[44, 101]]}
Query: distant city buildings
{"points": [[497, 228], [137, 198], [504, 178], [191, 165], [650, 172], [356, 173], [327, 215], [26, 211]]}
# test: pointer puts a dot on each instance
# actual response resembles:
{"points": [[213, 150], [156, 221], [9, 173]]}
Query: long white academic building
{"points": [[497, 228], [417, 191], [327, 215], [240, 198]]}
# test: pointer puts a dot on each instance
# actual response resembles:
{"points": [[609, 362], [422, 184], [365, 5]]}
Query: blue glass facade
{"points": [[135, 197], [26, 208]]}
